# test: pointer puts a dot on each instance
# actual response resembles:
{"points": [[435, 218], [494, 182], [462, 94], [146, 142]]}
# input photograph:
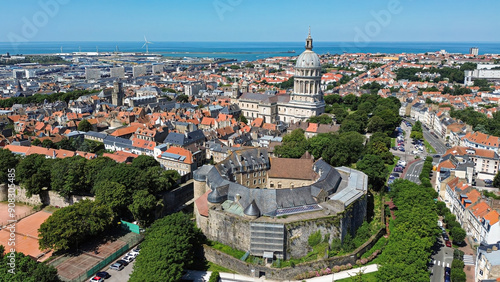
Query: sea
{"points": [[245, 51]]}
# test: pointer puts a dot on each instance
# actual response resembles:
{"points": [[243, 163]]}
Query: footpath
{"points": [[204, 276]]}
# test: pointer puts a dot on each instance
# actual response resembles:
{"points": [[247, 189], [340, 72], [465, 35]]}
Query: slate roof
{"points": [[180, 139], [220, 179]]}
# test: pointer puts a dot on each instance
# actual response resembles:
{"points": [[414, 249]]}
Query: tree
{"points": [[340, 114], [243, 119], [114, 195], [71, 225], [457, 273], [168, 247], [143, 162], [84, 125], [36, 142], [26, 270], [143, 206], [214, 277], [458, 234], [322, 119], [8, 161], [496, 180], [182, 98], [332, 99], [34, 173], [374, 167], [294, 145], [47, 143]]}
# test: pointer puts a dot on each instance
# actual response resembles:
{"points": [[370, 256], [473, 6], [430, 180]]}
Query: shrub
{"points": [[314, 239], [214, 277]]}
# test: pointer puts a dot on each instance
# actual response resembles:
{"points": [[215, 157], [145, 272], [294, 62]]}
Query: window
{"points": [[481, 272], [279, 185], [260, 173], [254, 182], [259, 181], [271, 185], [248, 175], [248, 183]]}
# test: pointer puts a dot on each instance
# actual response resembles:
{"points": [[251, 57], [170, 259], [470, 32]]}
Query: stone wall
{"points": [[252, 270], [298, 234], [50, 198], [176, 198], [234, 231], [228, 229]]}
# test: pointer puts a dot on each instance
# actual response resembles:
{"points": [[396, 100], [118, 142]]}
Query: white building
{"points": [[92, 74], [305, 101], [118, 72], [138, 71]]}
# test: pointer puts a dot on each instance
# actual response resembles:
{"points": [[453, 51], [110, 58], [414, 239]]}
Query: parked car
{"points": [[398, 169], [395, 174], [134, 251], [448, 243], [395, 148], [124, 262], [437, 156], [445, 237], [132, 254], [402, 149], [117, 266], [96, 279], [447, 273], [103, 274], [128, 258]]}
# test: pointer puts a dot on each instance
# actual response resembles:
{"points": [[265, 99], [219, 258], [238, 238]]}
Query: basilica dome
{"points": [[308, 59]]}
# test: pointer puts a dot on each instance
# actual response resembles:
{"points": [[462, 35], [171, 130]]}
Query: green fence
{"points": [[108, 260], [130, 227]]}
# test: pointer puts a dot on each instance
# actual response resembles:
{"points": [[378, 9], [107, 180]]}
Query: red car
{"points": [[448, 243]]}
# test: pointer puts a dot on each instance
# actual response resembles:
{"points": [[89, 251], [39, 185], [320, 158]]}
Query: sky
{"points": [[250, 20]]}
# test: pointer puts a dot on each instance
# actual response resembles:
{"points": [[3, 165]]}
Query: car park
{"points": [[117, 266]]}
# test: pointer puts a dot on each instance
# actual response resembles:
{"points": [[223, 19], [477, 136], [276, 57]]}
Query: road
{"points": [[436, 143], [442, 257], [414, 170]]}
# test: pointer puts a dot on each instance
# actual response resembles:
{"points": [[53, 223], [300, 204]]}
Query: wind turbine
{"points": [[146, 43]]}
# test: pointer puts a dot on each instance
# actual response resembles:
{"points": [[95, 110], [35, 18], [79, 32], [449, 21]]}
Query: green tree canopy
{"points": [[322, 119], [143, 207], [84, 125], [374, 167], [168, 248], [294, 145], [8, 161], [71, 225], [143, 162], [26, 270]]}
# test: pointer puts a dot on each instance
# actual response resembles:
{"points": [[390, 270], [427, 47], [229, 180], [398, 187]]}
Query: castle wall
{"points": [[298, 234], [229, 229], [50, 198], [354, 216]]}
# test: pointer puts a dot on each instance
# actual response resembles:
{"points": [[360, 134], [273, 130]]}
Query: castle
{"points": [[270, 206]]}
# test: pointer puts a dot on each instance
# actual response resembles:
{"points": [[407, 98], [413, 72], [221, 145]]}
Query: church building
{"points": [[305, 101]]}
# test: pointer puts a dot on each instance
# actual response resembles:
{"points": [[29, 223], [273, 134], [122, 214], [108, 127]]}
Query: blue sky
{"points": [[250, 20]]}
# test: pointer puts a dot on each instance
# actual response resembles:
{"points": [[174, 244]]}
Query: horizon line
{"points": [[192, 41]]}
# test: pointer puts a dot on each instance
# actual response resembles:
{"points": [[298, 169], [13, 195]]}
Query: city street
{"points": [[413, 171], [436, 143], [442, 257]]}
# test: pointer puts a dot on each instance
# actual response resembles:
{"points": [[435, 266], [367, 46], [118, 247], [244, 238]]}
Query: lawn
{"points": [[391, 167], [429, 148], [215, 267], [393, 142], [227, 249]]}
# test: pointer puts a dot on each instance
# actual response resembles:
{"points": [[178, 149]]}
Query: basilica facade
{"points": [[305, 101]]}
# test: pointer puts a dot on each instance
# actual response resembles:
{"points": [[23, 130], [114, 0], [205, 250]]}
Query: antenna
{"points": [[80, 49], [146, 43], [97, 48], [61, 49]]}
